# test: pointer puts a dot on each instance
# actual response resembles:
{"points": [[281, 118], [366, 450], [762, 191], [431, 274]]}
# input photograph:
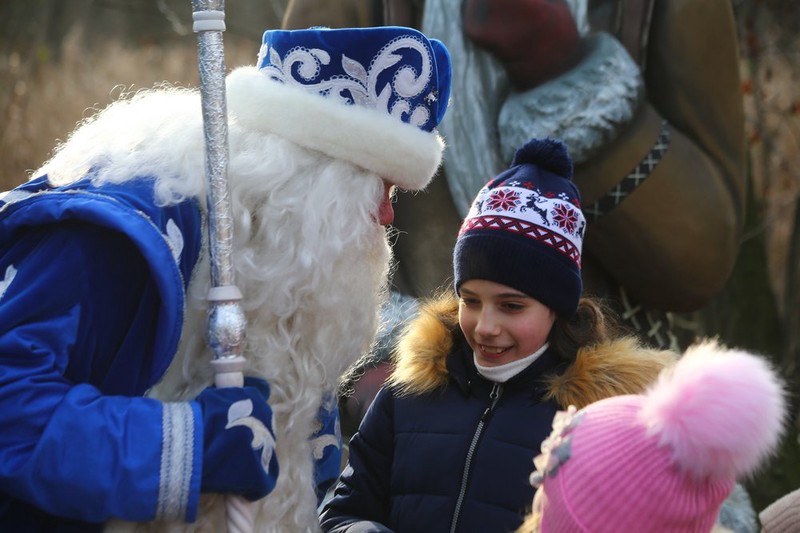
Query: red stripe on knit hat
{"points": [[527, 229]]}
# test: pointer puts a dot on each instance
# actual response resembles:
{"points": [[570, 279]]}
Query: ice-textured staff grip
{"points": [[226, 334]]}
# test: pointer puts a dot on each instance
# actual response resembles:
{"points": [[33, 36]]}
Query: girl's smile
{"points": [[500, 323]]}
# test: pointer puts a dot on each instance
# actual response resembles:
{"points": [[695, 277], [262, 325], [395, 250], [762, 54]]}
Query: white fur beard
{"points": [[312, 264]]}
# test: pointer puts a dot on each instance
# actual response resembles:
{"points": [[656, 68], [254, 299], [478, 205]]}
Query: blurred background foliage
{"points": [[61, 60]]}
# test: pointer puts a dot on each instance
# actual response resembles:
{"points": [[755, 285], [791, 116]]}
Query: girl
{"points": [[447, 444]]}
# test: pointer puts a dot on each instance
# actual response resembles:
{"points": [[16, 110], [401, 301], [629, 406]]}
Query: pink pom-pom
{"points": [[720, 411]]}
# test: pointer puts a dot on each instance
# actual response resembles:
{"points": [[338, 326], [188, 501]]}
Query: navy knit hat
{"points": [[525, 229]]}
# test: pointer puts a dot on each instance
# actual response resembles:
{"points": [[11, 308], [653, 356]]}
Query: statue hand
{"points": [[535, 40]]}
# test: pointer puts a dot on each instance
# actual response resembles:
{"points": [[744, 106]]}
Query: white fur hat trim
{"points": [[399, 152]]}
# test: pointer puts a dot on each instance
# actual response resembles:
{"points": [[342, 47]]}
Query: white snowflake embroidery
{"points": [[360, 85], [319, 444], [174, 239], [11, 272], [239, 415]]}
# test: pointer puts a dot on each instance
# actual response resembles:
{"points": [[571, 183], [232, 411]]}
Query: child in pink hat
{"points": [[663, 461]]}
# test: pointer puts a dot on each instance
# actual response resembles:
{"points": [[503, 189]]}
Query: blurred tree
{"points": [[60, 59]]}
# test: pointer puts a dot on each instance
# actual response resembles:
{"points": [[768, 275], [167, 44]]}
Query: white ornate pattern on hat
{"points": [[357, 84]]}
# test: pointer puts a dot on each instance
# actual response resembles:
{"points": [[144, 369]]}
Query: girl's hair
{"points": [[593, 323]]}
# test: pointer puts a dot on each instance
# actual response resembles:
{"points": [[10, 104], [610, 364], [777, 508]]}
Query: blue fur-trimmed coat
{"points": [[441, 444], [93, 282], [79, 349]]}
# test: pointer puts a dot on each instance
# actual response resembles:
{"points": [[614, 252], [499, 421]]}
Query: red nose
{"points": [[385, 210]]}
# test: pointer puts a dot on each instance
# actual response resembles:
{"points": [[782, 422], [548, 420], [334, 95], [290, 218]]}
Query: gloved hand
{"points": [[238, 440]]}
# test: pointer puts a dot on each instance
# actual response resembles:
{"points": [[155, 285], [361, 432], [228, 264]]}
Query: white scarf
{"points": [[502, 373]]}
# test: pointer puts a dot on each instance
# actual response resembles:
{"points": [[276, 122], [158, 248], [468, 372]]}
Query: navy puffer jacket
{"points": [[455, 459], [443, 449]]}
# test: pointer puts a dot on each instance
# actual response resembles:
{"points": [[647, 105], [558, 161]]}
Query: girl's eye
{"points": [[469, 301], [512, 306]]}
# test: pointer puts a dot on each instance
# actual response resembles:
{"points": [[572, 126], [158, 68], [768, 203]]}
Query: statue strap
{"points": [[635, 178], [635, 17]]}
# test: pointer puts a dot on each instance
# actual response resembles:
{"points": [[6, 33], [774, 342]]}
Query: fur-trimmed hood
{"points": [[620, 366]]}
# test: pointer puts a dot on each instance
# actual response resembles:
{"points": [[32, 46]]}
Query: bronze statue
{"points": [[645, 93]]}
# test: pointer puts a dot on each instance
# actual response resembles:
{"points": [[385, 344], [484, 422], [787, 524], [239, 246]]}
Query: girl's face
{"points": [[502, 324]]}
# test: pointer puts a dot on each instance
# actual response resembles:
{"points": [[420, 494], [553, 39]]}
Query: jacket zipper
{"points": [[494, 396]]}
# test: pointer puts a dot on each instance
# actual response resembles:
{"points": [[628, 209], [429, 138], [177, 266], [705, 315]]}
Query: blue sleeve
{"points": [[68, 448], [326, 446], [360, 502]]}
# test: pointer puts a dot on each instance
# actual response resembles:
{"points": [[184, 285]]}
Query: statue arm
{"points": [[684, 222]]}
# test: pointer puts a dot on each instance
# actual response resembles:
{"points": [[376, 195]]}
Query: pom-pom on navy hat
{"points": [[525, 229], [370, 96]]}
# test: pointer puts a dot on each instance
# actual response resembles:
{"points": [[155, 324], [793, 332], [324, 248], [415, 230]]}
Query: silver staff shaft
{"points": [[226, 327], [226, 319]]}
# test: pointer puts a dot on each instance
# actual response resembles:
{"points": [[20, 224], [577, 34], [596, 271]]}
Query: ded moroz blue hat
{"points": [[371, 96]]}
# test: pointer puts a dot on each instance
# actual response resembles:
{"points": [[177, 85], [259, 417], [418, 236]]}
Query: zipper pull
{"points": [[495, 391], [493, 396]]}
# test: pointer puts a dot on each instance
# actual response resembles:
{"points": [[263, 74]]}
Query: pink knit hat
{"points": [[666, 460]]}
